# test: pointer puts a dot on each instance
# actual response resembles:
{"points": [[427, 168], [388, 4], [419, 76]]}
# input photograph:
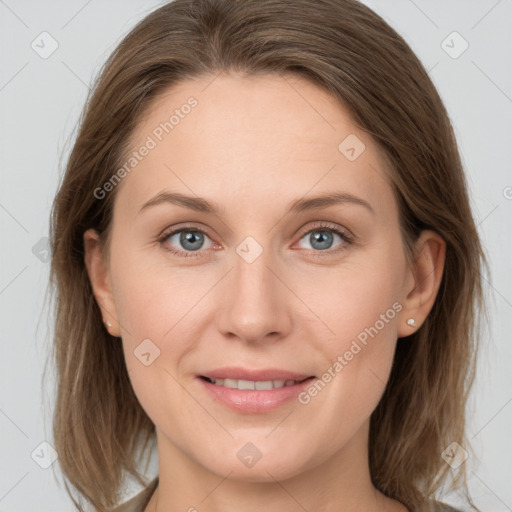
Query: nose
{"points": [[255, 302]]}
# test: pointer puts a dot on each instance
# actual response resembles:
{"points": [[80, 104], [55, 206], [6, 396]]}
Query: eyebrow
{"points": [[300, 205]]}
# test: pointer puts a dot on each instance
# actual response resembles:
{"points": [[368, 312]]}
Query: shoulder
{"points": [[138, 502], [435, 506]]}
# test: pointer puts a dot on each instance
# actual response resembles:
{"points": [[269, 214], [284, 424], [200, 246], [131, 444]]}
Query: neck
{"points": [[341, 482]]}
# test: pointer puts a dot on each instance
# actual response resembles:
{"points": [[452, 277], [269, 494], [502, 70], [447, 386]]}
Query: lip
{"points": [[238, 373], [253, 401]]}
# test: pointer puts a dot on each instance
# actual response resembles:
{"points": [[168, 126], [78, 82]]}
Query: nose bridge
{"points": [[254, 305]]}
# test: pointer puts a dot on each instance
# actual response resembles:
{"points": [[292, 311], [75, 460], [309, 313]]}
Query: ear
{"points": [[423, 281], [99, 277]]}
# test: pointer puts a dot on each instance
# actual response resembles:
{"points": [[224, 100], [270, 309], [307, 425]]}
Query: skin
{"points": [[254, 145]]}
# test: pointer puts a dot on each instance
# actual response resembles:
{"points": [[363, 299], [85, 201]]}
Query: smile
{"points": [[259, 385], [252, 391]]}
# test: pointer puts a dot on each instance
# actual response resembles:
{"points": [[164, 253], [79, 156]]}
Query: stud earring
{"points": [[108, 324], [411, 322]]}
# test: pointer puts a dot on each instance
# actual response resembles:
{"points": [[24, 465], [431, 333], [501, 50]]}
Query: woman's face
{"points": [[262, 281]]}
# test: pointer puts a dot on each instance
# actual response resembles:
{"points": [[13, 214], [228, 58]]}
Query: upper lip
{"points": [[264, 374]]}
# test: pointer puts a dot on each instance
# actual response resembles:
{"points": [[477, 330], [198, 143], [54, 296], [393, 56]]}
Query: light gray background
{"points": [[40, 103]]}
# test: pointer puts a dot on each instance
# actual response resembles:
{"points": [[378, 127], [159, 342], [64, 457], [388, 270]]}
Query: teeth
{"points": [[264, 385], [246, 384], [251, 384]]}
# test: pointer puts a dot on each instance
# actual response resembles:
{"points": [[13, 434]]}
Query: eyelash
{"points": [[347, 239]]}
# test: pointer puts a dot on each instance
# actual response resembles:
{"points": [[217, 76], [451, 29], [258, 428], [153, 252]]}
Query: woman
{"points": [[266, 262]]}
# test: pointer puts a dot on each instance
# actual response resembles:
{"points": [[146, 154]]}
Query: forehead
{"points": [[243, 139]]}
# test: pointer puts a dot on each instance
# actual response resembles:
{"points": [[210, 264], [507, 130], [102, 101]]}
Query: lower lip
{"points": [[254, 401]]}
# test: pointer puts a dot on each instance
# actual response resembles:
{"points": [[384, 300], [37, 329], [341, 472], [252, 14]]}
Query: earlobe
{"points": [[99, 277], [426, 275]]}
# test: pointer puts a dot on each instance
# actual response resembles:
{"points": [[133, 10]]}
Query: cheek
{"points": [[152, 298], [360, 304], [153, 314], [356, 297]]}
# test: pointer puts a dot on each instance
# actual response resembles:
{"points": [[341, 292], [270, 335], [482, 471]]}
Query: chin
{"points": [[262, 468]]}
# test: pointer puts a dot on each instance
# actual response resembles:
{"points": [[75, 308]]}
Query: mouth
{"points": [[258, 385], [253, 391]]}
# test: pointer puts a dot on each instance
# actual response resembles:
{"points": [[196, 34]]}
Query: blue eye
{"points": [[190, 239], [321, 240]]}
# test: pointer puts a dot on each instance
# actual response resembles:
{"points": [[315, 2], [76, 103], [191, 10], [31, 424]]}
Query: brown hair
{"points": [[345, 48]]}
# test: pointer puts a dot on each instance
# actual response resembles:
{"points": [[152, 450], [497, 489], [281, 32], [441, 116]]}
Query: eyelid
{"points": [[344, 232], [185, 227]]}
